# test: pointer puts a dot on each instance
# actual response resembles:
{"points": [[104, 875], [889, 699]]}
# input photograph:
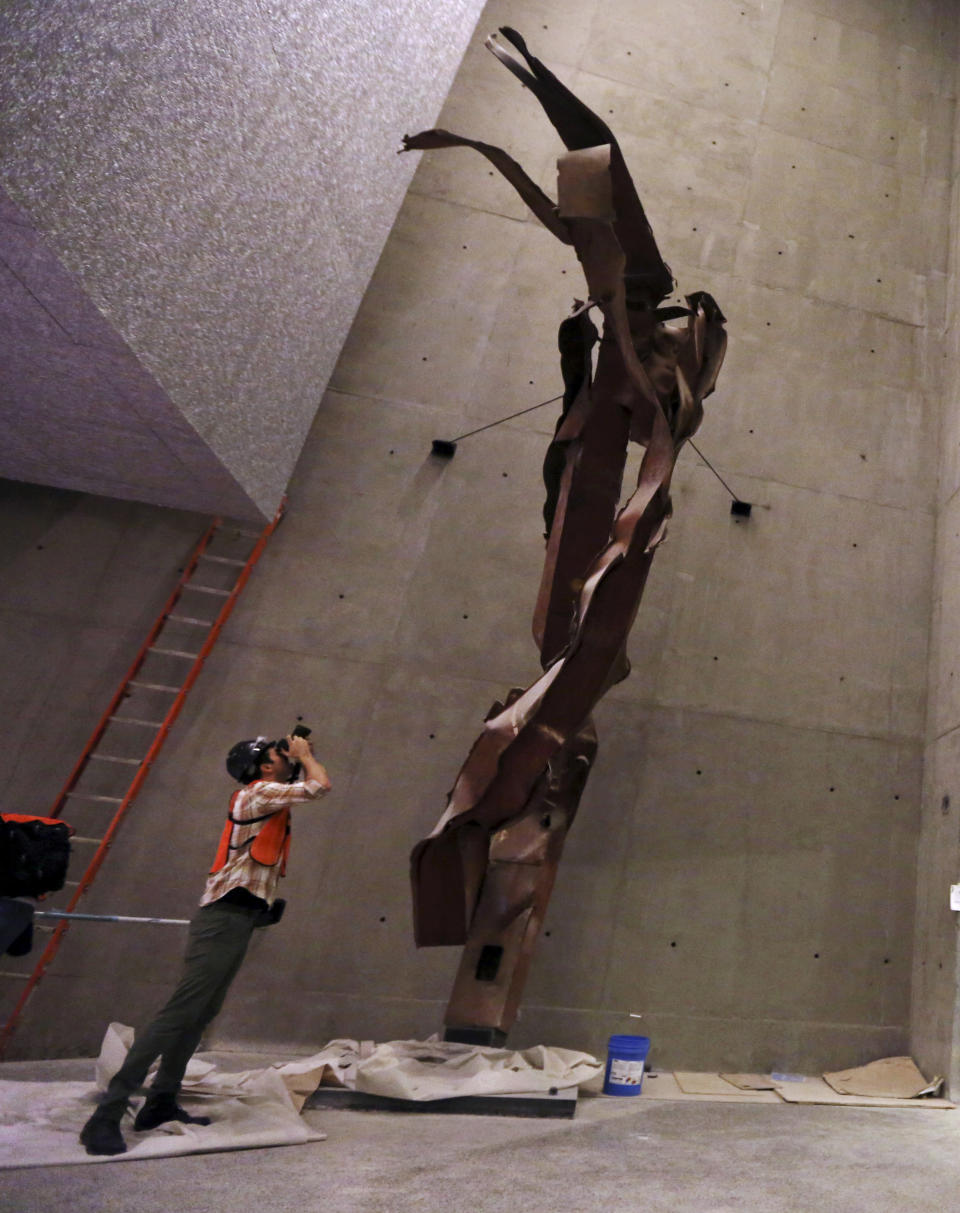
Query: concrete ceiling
{"points": [[196, 199], [79, 411]]}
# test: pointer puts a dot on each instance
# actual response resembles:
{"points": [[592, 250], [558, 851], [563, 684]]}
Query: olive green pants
{"points": [[216, 946]]}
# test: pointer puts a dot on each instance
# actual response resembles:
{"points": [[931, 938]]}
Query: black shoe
{"points": [[159, 1109], [101, 1135]]}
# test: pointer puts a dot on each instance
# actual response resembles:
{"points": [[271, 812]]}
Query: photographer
{"points": [[240, 895]]}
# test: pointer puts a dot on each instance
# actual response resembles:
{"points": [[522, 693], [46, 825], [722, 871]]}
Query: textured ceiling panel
{"points": [[77, 408], [219, 179]]}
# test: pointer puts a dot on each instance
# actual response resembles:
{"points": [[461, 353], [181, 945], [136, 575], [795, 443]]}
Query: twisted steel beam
{"points": [[484, 875]]}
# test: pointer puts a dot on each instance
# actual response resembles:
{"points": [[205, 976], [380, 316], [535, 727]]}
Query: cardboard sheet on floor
{"points": [[890, 1077], [665, 1085], [751, 1082], [704, 1084], [40, 1121], [816, 1091]]}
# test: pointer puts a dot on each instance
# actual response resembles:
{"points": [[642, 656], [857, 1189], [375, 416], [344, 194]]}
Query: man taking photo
{"points": [[239, 897]]}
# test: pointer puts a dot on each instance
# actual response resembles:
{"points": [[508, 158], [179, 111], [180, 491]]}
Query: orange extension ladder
{"points": [[142, 711]]}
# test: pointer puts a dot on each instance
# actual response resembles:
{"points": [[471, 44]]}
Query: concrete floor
{"points": [[621, 1155]]}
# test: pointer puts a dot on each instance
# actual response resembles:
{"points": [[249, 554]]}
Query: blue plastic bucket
{"points": [[626, 1059]]}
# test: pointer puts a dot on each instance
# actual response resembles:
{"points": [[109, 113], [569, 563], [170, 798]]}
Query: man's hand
{"points": [[299, 749], [302, 751]]}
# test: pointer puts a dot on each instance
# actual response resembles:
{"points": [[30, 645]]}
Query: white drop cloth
{"points": [[437, 1069], [40, 1122]]}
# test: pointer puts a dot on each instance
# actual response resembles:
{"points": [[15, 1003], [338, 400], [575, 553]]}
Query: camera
{"points": [[282, 746], [298, 730]]}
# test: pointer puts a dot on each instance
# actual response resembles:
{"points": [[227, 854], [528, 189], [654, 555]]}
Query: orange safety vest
{"points": [[270, 844]]}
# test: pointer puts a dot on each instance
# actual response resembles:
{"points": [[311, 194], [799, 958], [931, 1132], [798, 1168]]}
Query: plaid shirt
{"points": [[241, 871]]}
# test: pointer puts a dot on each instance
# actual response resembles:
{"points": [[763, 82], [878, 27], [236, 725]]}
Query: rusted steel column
{"points": [[593, 437], [521, 869], [484, 876]]}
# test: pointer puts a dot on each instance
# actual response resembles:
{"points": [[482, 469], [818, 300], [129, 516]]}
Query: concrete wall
{"points": [[936, 1011], [743, 870], [219, 177]]}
